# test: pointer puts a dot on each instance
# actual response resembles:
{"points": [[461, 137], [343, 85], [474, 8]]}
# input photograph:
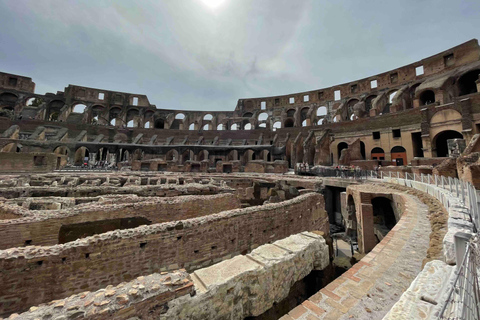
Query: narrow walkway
{"points": [[373, 285]]}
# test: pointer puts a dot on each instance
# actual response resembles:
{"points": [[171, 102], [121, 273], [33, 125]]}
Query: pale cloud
{"points": [[185, 55]]}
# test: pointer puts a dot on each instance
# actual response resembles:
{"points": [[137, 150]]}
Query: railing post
{"points": [[390, 174], [436, 181], [456, 186], [398, 175], [414, 177], [421, 177], [461, 240]]}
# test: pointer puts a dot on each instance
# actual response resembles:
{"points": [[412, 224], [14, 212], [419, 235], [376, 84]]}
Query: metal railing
{"points": [[463, 294]]}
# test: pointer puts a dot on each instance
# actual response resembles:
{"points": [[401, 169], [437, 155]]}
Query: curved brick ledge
{"points": [[372, 286]]}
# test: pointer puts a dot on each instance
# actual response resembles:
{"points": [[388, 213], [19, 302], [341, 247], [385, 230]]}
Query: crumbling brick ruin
{"points": [[112, 208]]}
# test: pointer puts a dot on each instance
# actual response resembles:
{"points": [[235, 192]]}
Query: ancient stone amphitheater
{"points": [[344, 202]]}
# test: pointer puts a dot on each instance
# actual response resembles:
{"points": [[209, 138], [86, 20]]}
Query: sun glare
{"points": [[213, 3]]}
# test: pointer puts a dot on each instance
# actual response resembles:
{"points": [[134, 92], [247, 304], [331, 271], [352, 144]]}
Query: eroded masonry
{"points": [[112, 208]]}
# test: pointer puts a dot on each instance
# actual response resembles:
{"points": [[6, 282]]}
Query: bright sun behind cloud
{"points": [[213, 3]]}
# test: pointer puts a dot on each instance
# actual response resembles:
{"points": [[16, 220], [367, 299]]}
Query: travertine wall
{"points": [[43, 228], [113, 257]]}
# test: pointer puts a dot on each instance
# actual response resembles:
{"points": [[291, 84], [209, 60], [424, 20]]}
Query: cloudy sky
{"points": [[185, 54]]}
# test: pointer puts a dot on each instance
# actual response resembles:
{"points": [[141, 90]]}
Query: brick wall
{"points": [[111, 258], [43, 230]]}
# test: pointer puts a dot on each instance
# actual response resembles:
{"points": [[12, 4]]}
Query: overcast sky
{"points": [[184, 54]]}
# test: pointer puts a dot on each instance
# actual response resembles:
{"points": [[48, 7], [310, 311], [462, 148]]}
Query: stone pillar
{"points": [[113, 159], [91, 158], [367, 233]]}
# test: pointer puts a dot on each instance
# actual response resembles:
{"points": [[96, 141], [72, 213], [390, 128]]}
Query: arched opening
{"points": [[362, 150], [350, 105], [191, 126], [248, 126], [340, 147], [187, 155], [427, 97], [221, 126], [377, 154], [466, 83], [53, 110], [159, 124], [208, 117], [147, 125], [172, 155], [61, 150], [321, 111], [399, 155], [79, 108], [263, 116], [179, 116], [290, 113], [232, 155], [206, 127], [383, 217], [248, 155], [203, 155], [81, 156], [248, 115], [441, 145], [369, 104], [320, 122], [304, 123], [34, 102], [265, 155], [234, 127], [113, 122], [8, 100], [337, 118], [277, 125], [262, 125], [130, 124], [288, 123]]}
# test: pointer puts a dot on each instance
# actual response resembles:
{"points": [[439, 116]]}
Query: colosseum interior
{"points": [[297, 206]]}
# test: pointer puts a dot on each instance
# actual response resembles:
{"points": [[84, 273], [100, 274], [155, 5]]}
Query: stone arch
{"points": [[232, 155], [8, 100], [172, 155], [340, 147], [384, 218], [427, 97], [262, 116], [377, 154], [247, 115], [290, 113], [440, 141], [82, 156], [265, 155], [399, 155], [350, 104], [62, 150], [445, 116], [248, 155], [277, 125], [187, 155], [208, 116], [321, 111], [203, 155], [53, 110], [467, 82], [79, 108]]}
